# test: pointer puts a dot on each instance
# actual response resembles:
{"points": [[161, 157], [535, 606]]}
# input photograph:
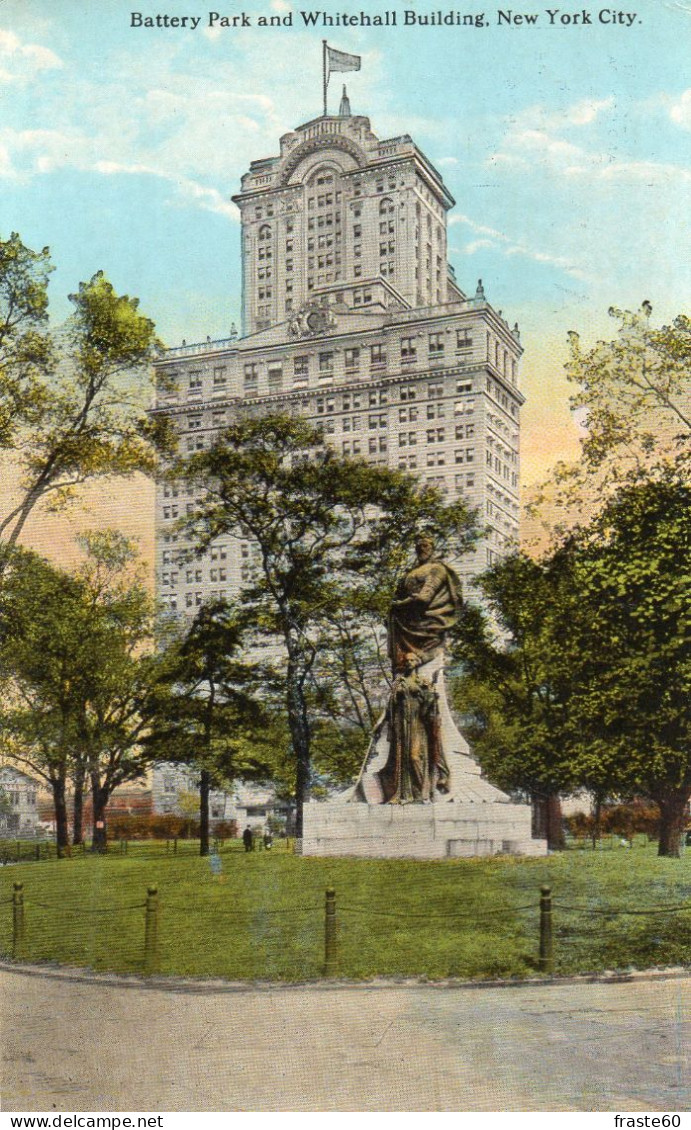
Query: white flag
{"points": [[341, 61]]}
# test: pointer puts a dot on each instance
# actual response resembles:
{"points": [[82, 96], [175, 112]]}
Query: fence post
{"points": [[18, 920], [546, 962], [330, 946], [38, 853], [151, 932], [175, 846]]}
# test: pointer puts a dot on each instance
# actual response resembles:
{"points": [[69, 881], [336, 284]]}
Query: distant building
{"points": [[173, 785], [18, 807]]}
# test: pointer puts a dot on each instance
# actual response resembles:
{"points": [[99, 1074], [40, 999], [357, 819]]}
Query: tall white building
{"points": [[353, 317]]}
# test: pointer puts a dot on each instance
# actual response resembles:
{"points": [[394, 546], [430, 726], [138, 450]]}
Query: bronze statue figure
{"points": [[425, 605]]}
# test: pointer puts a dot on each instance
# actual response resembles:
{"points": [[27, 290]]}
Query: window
{"points": [[436, 411], [250, 372], [435, 391], [352, 358], [408, 349], [378, 354], [408, 392], [326, 362], [463, 340], [220, 377], [195, 381], [301, 367], [275, 371], [436, 344]]}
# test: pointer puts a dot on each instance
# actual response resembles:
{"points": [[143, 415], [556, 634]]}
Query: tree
{"points": [[515, 690], [592, 689], [321, 526], [71, 404], [37, 660], [76, 677], [205, 710], [633, 395], [631, 693]]}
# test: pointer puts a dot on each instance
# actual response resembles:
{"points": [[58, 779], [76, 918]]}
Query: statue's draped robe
{"points": [[416, 767]]}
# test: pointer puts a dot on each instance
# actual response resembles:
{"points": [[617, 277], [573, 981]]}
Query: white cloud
{"points": [[680, 111], [477, 245], [490, 237], [21, 62]]}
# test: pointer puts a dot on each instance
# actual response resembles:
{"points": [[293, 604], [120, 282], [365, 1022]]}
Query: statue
{"points": [[425, 606], [420, 793]]}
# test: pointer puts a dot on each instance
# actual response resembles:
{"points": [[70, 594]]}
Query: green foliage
{"points": [[73, 403], [205, 711], [74, 671], [27, 356], [633, 397], [593, 688]]}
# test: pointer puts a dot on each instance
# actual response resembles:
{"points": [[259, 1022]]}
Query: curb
{"points": [[190, 985]]}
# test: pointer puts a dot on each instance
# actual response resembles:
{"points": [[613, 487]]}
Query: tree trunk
{"points": [[99, 835], [597, 820], [204, 790], [555, 823], [673, 815], [547, 820], [62, 838], [78, 815], [300, 739]]}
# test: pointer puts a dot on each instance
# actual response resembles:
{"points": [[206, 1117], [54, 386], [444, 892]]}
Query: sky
{"points": [[564, 141]]}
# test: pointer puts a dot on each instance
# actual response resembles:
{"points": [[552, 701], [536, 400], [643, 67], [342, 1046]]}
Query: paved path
{"points": [[75, 1045]]}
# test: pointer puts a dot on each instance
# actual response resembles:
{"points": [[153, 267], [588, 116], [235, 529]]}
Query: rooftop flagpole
{"points": [[326, 81]]}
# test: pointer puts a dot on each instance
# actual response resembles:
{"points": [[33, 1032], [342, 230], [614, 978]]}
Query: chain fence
{"points": [[327, 939]]}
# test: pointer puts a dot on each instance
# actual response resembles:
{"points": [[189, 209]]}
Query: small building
{"points": [[175, 788], [18, 808]]}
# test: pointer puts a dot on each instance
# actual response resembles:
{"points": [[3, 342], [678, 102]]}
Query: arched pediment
{"points": [[321, 145]]}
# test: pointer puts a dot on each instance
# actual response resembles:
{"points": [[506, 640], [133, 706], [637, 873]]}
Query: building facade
{"points": [[352, 317], [19, 810]]}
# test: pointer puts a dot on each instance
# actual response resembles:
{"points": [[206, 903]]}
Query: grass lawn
{"points": [[262, 917]]}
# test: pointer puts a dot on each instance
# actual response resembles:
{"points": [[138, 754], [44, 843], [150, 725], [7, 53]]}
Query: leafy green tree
{"points": [[515, 689], [76, 675], [71, 403], [37, 662], [631, 692], [321, 525], [205, 712], [592, 689], [633, 395]]}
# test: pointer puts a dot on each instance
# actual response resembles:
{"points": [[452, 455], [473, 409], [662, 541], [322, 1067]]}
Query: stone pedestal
{"points": [[473, 818], [418, 831]]}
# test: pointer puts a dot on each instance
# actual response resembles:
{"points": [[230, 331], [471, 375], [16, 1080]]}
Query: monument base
{"points": [[418, 831]]}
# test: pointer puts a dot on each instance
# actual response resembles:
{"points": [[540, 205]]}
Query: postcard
{"points": [[390, 221]]}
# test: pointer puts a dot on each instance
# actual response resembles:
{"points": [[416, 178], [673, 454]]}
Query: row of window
{"points": [[353, 357]]}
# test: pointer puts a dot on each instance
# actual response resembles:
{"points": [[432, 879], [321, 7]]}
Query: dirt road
{"points": [[84, 1045]]}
